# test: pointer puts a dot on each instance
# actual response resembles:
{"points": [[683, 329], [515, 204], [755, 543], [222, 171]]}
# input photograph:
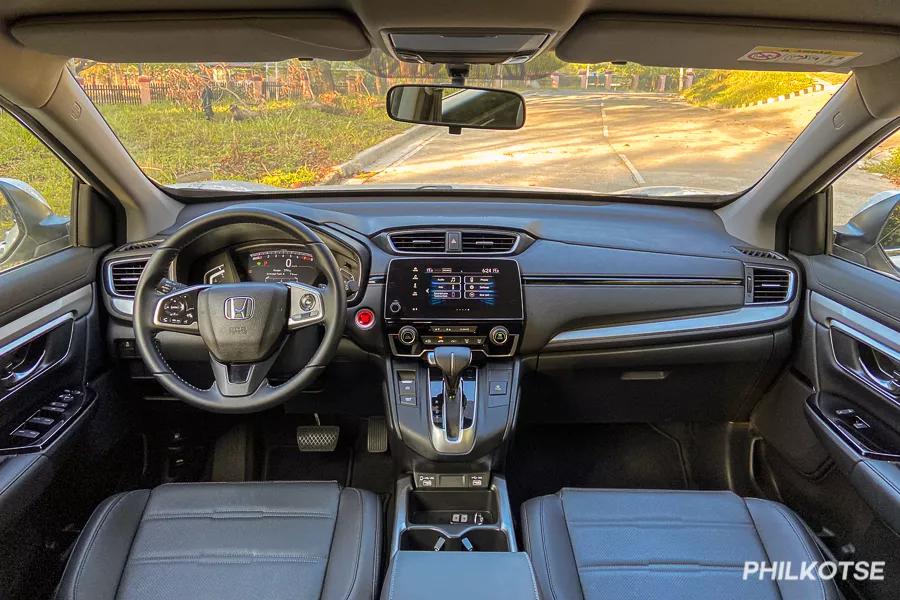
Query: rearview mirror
{"points": [[456, 106]]}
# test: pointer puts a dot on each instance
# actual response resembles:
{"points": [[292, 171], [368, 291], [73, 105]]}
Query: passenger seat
{"points": [[627, 544]]}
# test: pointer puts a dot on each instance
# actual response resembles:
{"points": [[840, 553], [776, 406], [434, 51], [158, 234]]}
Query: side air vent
{"points": [[139, 245], [759, 253], [124, 276], [483, 242], [419, 242], [769, 286]]}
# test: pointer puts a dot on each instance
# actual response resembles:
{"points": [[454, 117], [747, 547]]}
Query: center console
{"points": [[453, 327]]}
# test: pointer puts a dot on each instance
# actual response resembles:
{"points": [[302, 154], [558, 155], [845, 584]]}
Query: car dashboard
{"points": [[615, 311]]}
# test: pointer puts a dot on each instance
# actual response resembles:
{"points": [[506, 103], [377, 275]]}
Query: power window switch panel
{"points": [[43, 421], [28, 434], [53, 409]]}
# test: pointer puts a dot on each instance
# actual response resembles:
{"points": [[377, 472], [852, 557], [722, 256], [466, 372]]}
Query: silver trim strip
{"points": [[749, 315], [78, 302], [825, 310], [36, 333], [614, 280]]}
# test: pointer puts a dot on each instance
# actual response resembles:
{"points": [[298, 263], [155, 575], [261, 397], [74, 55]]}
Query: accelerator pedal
{"points": [[317, 438], [377, 438]]}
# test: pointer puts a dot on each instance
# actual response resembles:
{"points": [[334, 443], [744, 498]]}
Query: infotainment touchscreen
{"points": [[453, 288]]}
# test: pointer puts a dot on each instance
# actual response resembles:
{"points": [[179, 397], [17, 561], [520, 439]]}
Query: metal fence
{"points": [[113, 94]]}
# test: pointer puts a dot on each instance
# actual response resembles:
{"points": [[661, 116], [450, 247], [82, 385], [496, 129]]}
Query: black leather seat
{"points": [[623, 544], [229, 541]]}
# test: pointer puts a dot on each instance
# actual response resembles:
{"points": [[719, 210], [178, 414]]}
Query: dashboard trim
{"points": [[748, 315], [624, 280]]}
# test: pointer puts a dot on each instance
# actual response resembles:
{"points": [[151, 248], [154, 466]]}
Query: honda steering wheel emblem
{"points": [[238, 308]]}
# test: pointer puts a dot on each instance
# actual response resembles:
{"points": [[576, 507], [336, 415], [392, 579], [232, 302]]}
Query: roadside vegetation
{"points": [[283, 143], [889, 166], [726, 89]]}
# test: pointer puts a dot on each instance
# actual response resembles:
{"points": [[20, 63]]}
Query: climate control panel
{"points": [[491, 339]]}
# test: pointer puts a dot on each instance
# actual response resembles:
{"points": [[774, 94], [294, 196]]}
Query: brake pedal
{"points": [[317, 438], [377, 436]]}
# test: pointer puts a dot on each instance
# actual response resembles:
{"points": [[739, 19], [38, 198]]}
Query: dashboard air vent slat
{"points": [[142, 245], [483, 242], [419, 242], [124, 276], [771, 285], [759, 253]]}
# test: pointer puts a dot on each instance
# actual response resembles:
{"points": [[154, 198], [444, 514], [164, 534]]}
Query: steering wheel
{"points": [[244, 325]]}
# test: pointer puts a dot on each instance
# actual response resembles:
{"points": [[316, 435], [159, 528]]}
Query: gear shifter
{"points": [[452, 361]]}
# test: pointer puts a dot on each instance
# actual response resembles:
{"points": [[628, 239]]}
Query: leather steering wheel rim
{"points": [[147, 298]]}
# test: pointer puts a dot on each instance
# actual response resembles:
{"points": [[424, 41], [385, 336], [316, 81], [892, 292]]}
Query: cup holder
{"points": [[427, 539]]}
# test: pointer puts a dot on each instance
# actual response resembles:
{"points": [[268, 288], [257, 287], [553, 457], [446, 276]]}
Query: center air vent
{"points": [[465, 241], [769, 286], [124, 276], [483, 242], [419, 242]]}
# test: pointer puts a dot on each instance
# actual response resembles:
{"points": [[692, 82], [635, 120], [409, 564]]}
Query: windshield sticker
{"points": [[798, 56]]}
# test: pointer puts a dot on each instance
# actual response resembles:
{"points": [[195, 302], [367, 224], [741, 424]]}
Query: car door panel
{"points": [[855, 412]]}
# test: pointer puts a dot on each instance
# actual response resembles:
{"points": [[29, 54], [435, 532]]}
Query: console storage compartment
{"points": [[454, 575], [458, 507]]}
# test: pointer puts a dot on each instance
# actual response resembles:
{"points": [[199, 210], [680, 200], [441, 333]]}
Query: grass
{"points": [[733, 88], [288, 145], [888, 166]]}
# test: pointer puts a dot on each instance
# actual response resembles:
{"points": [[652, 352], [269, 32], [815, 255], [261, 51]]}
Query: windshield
{"points": [[597, 128]]}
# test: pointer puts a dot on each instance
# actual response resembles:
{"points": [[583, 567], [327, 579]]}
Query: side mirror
{"points": [[456, 107], [28, 226], [872, 237]]}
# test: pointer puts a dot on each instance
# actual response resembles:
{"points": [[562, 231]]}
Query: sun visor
{"points": [[195, 37], [727, 44]]}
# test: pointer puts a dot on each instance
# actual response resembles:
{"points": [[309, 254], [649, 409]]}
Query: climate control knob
{"points": [[407, 335], [499, 335]]}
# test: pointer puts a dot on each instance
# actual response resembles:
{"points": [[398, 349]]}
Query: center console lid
{"points": [[483, 576]]}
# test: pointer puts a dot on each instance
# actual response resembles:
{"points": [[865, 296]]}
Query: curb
{"points": [[358, 163], [809, 90]]}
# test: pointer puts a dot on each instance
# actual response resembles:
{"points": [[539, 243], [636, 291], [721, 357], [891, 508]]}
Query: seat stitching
{"points": [[784, 516], [651, 566], [358, 544], [761, 543], [250, 554], [544, 548], [230, 483], [220, 560], [660, 522], [562, 503], [90, 545], [223, 511], [526, 535], [221, 517], [396, 562], [533, 580]]}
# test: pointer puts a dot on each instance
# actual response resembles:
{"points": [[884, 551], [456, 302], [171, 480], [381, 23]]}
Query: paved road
{"points": [[611, 142]]}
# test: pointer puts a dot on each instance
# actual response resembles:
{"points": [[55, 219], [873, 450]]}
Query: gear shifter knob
{"points": [[452, 360]]}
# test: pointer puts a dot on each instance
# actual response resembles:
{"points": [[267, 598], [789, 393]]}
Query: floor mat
{"points": [[545, 458], [287, 463]]}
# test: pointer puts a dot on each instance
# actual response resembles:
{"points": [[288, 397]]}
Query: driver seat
{"points": [[229, 541]]}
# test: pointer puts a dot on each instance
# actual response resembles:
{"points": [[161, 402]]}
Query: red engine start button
{"points": [[365, 318]]}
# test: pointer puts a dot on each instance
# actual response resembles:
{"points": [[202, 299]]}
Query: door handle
{"points": [[868, 359]]}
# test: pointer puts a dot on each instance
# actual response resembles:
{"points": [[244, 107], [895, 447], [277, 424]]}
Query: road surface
{"points": [[607, 142]]}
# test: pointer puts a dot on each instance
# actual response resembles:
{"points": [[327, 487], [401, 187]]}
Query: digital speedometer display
{"points": [[280, 266]]}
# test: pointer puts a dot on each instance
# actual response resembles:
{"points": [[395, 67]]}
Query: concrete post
{"points": [[554, 80], [608, 82], [144, 87], [689, 78], [583, 76], [257, 85], [635, 82], [351, 84], [662, 83]]}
